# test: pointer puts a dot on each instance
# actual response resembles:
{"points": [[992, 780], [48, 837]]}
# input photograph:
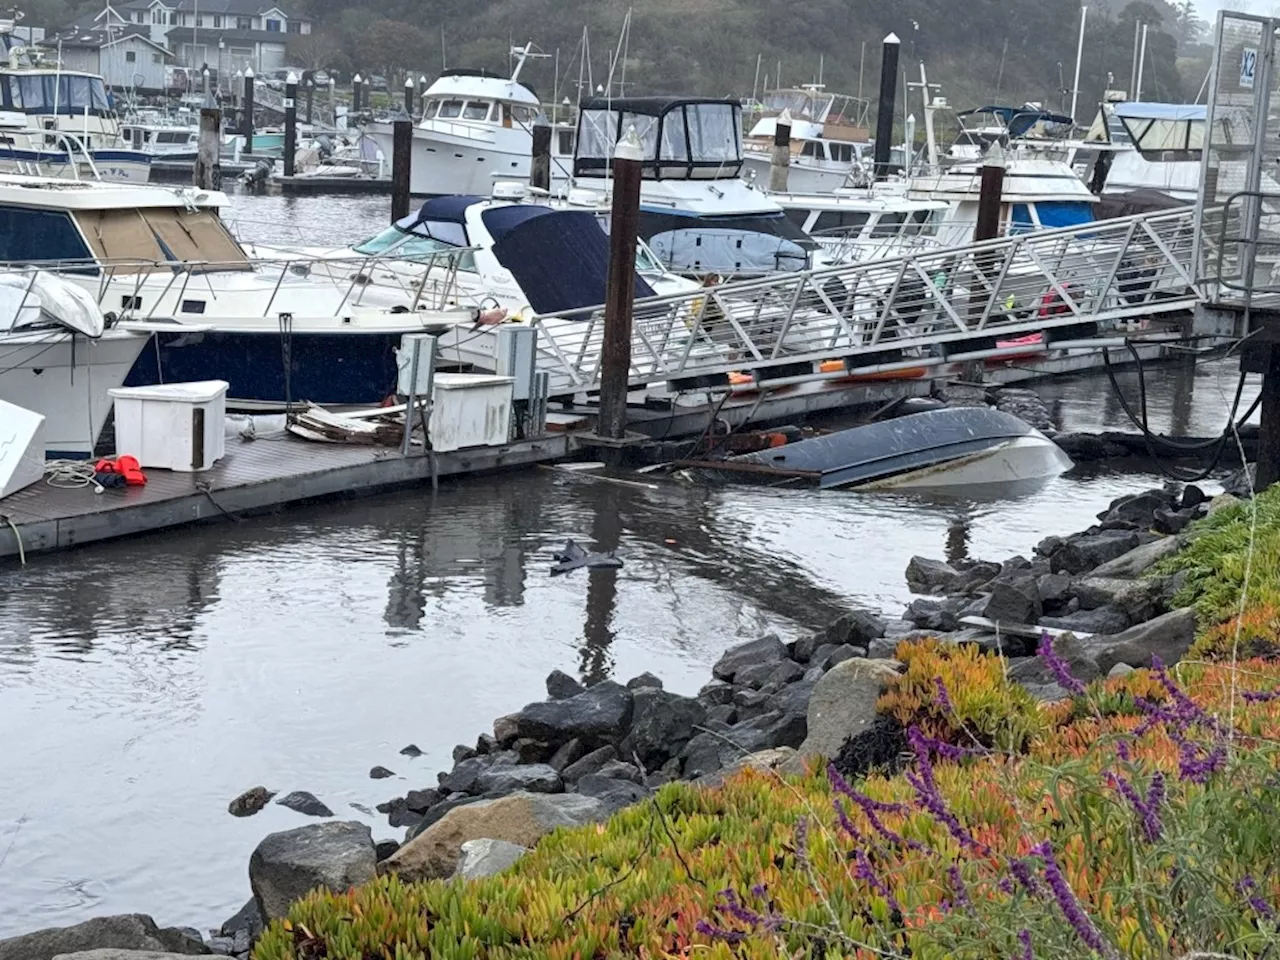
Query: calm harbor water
{"points": [[143, 684]]}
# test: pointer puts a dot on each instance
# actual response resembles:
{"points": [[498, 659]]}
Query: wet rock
{"points": [[1053, 588], [1139, 508], [561, 686], [133, 931], [360, 808], [531, 751], [1033, 671], [844, 703], [756, 675], [931, 576], [1136, 599], [1081, 554], [250, 802], [601, 712], [522, 818], [440, 811], [505, 731], [566, 754], [725, 713], [533, 778], [463, 777], [289, 864], [247, 920], [857, 627], [1012, 601], [802, 648], [1174, 521], [420, 801], [486, 743], [385, 848], [399, 814], [411, 751], [308, 804], [792, 699], [1138, 560], [929, 614], [828, 659], [1240, 483], [1087, 447], [590, 763], [1192, 496], [768, 649], [485, 858], [1049, 546], [1101, 620], [716, 693], [661, 724], [381, 773], [1167, 637], [614, 794], [462, 752], [976, 577], [645, 679]]}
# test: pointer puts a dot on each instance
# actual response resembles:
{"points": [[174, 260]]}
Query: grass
{"points": [[1140, 819]]}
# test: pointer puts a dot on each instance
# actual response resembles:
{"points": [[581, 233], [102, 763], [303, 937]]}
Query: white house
{"points": [[108, 44], [223, 34]]}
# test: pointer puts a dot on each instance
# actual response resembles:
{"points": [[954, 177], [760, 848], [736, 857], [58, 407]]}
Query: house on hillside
{"points": [[107, 43], [225, 35]]}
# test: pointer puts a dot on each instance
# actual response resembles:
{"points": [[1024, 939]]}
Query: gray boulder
{"points": [[247, 920], [756, 675], [792, 699], [561, 686], [931, 576], [300, 801], [716, 693], [1016, 600], [1139, 508], [661, 724], [1138, 600], [768, 649], [289, 864], [827, 656], [645, 679], [708, 752], [1138, 560], [844, 704], [1100, 620], [1084, 553], [857, 627], [1168, 637], [380, 773], [130, 931], [620, 770], [1174, 521], [500, 779], [590, 763], [614, 794], [927, 614], [602, 712], [566, 754], [1053, 588], [112, 954], [250, 802], [440, 811], [485, 857], [463, 777]]}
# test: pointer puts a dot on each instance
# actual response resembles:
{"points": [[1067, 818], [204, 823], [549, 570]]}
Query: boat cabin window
{"points": [[173, 136], [922, 223], [842, 152], [138, 237], [47, 93], [421, 241], [684, 140], [36, 236], [566, 142], [812, 148], [450, 109], [888, 225], [840, 222], [476, 110]]}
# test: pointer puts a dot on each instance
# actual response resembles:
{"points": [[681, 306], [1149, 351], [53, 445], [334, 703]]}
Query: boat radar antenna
{"points": [[522, 54]]}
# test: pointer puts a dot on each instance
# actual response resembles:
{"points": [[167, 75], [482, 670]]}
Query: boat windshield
{"points": [[49, 93], [138, 239], [397, 243]]}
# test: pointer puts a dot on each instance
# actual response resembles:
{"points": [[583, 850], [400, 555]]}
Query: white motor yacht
{"points": [[828, 138]]}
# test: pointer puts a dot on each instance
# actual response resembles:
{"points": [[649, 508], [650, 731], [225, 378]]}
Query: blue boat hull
{"points": [[346, 368]]}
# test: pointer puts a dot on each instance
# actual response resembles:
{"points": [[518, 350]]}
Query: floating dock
{"points": [[254, 476]]}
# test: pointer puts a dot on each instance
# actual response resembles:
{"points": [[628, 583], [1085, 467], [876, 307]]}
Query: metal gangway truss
{"points": [[919, 310]]}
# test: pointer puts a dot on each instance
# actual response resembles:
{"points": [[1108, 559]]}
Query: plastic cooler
{"points": [[172, 426], [470, 410]]}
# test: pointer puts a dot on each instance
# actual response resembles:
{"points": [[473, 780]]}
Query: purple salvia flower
{"points": [[1021, 870], [1155, 800], [921, 742], [1194, 768], [718, 933], [1060, 669], [1263, 696], [1024, 937], [958, 888], [931, 801], [802, 839], [943, 698], [733, 906], [916, 738], [864, 871], [1069, 905], [1122, 750], [847, 825], [840, 785], [1006, 886], [1248, 886], [760, 890], [1186, 707]]}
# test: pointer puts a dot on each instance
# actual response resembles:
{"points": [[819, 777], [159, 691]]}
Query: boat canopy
{"points": [[1019, 121], [683, 138], [65, 94], [441, 218], [1164, 131], [560, 258]]}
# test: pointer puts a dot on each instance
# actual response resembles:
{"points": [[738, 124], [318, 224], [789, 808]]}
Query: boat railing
{"points": [[461, 130], [71, 145], [918, 309]]}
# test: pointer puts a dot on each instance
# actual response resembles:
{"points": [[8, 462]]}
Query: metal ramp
{"points": [[268, 98], [924, 309]]}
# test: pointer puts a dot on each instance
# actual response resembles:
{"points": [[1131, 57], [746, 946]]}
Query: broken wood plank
{"points": [[1027, 630]]}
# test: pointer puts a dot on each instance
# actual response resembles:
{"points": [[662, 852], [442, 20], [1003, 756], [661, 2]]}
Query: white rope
{"points": [[71, 474]]}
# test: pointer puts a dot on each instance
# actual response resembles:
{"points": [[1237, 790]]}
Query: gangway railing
{"points": [[268, 98], [925, 306]]}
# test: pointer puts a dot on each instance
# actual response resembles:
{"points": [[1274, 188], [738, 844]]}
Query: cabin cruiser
{"points": [[162, 257], [828, 138], [60, 123], [500, 252], [61, 358], [476, 127], [860, 224]]}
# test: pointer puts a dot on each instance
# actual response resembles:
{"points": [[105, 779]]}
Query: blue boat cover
{"points": [[1019, 120], [560, 258]]}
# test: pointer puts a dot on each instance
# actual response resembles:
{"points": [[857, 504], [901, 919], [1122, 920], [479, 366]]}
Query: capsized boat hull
{"points": [[1024, 458]]}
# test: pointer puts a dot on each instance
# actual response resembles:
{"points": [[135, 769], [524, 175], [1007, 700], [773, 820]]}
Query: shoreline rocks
{"points": [[288, 864]]}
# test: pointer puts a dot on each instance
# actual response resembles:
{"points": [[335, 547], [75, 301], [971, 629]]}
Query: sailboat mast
{"points": [[1075, 84]]}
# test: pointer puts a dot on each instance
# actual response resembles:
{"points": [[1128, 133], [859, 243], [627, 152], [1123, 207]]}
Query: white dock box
{"points": [[470, 410], [172, 426]]}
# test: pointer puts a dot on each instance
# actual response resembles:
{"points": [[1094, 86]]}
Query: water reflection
{"points": [[595, 660]]}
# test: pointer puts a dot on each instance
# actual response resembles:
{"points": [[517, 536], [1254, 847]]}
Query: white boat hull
{"points": [[801, 177], [445, 165], [65, 378], [112, 167], [1033, 457]]}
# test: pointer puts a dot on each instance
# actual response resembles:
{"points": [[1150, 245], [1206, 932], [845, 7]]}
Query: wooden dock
{"points": [[254, 476]]}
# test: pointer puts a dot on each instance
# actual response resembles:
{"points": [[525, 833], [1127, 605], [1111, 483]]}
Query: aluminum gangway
{"points": [[923, 309]]}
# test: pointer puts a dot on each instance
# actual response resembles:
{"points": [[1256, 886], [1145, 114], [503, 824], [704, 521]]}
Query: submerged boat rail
{"points": [[917, 310]]}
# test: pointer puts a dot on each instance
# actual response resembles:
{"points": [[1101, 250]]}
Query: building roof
{"points": [[187, 35], [235, 8], [97, 37]]}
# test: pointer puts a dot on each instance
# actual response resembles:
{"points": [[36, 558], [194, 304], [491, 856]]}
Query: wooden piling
{"points": [[408, 95], [990, 195], [357, 88], [207, 171], [615, 354], [540, 161], [401, 165], [247, 117], [780, 162], [290, 124], [888, 97]]}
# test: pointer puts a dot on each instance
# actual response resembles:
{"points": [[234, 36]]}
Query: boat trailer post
{"points": [[290, 123], [540, 159], [401, 161], [780, 163], [615, 354], [246, 119], [888, 95], [207, 171]]}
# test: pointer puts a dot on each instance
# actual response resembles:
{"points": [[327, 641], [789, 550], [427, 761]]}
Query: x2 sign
{"points": [[1248, 67]]}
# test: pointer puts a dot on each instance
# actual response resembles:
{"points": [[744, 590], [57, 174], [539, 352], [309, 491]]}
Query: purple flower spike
{"points": [[1263, 696], [1069, 905], [718, 933], [958, 888], [1024, 937], [1248, 886], [1022, 872], [847, 825], [1060, 669], [943, 698], [802, 839], [864, 871], [1149, 809]]}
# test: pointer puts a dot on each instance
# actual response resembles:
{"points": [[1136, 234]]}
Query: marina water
{"points": [[145, 683]]}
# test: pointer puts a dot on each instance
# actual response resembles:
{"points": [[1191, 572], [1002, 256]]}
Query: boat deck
{"points": [[255, 475]]}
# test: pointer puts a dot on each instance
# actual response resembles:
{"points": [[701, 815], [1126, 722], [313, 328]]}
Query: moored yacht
{"points": [[828, 138]]}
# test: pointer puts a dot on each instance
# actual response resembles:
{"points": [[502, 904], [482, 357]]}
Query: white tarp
{"points": [[28, 299]]}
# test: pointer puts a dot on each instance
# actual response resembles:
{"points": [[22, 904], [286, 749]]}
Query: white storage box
{"points": [[470, 410], [21, 448], [172, 426]]}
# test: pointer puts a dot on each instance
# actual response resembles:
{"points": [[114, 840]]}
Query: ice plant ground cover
{"points": [[1139, 818]]}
